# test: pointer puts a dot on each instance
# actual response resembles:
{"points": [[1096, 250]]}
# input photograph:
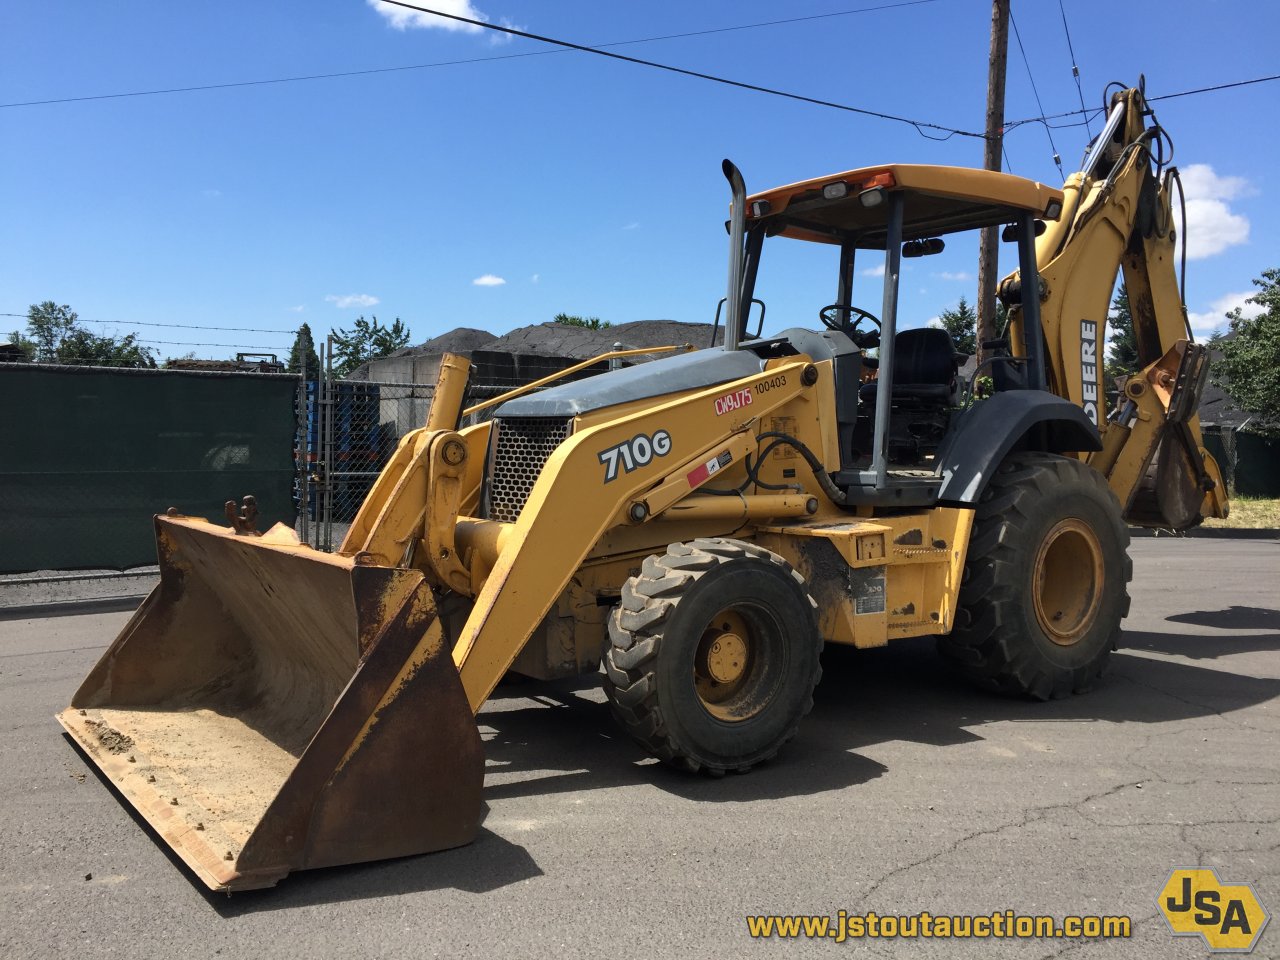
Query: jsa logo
{"points": [[639, 451], [1229, 917], [733, 401]]}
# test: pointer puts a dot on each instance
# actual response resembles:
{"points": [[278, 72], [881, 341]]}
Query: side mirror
{"points": [[1010, 232], [923, 248]]}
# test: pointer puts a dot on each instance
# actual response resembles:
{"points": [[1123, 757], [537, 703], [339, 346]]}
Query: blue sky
{"points": [[582, 184]]}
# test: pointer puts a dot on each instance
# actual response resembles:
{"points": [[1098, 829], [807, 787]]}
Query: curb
{"points": [[71, 608], [1210, 533]]}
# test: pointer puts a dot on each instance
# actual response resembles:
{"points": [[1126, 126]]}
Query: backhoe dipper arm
{"points": [[1117, 215]]}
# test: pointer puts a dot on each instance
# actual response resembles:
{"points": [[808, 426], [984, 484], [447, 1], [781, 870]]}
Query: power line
{"points": [[1220, 86], [1075, 70], [564, 48], [1027, 63], [229, 346], [1090, 111], [175, 326], [920, 126], [1089, 114], [190, 326], [261, 83]]}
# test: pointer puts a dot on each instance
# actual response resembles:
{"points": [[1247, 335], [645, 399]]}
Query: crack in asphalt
{"points": [[1192, 703], [1029, 816]]}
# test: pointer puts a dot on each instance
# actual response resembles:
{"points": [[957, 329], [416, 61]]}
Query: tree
{"points": [[48, 325], [24, 344], [962, 323], [367, 340], [304, 348], [1248, 367], [590, 323], [1122, 357], [82, 346], [57, 336]]}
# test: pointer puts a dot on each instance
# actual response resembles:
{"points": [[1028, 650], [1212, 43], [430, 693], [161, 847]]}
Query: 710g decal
{"points": [[633, 453]]}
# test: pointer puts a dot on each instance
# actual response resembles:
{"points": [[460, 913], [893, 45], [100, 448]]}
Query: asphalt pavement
{"points": [[904, 791]]}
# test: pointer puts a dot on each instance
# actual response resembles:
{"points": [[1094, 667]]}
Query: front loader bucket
{"points": [[270, 708]]}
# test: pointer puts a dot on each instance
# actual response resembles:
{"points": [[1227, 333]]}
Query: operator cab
{"points": [[894, 410]]}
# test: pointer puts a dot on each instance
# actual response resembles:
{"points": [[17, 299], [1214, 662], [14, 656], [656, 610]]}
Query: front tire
{"points": [[713, 655], [1046, 580]]}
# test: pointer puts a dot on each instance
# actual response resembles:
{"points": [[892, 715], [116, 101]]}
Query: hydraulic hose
{"points": [[834, 493]]}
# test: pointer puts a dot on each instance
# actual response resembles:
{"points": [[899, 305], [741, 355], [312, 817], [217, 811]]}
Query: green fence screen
{"points": [[1250, 462], [89, 455]]}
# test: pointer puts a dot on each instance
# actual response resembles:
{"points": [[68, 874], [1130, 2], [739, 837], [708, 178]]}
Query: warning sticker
{"points": [[868, 590], [703, 472]]}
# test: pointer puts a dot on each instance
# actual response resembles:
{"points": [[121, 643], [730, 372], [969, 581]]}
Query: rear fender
{"points": [[1011, 421]]}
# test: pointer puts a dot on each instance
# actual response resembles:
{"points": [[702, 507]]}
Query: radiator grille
{"points": [[522, 448]]}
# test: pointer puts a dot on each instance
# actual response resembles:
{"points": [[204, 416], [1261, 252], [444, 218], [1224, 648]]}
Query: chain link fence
{"points": [[91, 454], [348, 430]]}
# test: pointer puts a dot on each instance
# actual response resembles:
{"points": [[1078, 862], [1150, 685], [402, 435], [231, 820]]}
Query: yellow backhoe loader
{"points": [[699, 525]]}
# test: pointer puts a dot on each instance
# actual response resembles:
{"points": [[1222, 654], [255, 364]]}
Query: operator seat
{"points": [[924, 367]]}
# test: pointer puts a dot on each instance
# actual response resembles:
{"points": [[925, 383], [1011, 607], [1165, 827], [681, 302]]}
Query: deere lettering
{"points": [[1089, 369]]}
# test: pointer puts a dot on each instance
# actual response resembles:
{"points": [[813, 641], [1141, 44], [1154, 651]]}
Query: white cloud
{"points": [[1215, 318], [496, 37], [351, 300], [402, 18], [298, 309], [876, 271], [959, 276], [1212, 225], [211, 193], [1199, 179], [935, 322], [489, 280], [633, 225], [535, 278]]}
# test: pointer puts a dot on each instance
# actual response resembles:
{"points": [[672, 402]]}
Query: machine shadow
{"points": [[562, 735], [1232, 618], [487, 864], [547, 738], [1207, 645], [1197, 647]]}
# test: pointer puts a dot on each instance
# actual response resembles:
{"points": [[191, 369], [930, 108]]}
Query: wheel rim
{"points": [[732, 672], [1067, 581]]}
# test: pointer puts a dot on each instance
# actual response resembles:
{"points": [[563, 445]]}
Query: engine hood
{"points": [[676, 374]]}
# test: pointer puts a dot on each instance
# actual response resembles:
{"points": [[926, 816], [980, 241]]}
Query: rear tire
{"points": [[713, 655], [1046, 580]]}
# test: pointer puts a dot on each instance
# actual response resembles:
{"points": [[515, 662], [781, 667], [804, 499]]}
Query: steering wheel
{"points": [[844, 319]]}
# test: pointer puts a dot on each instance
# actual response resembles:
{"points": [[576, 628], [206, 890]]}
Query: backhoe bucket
{"points": [[270, 708]]}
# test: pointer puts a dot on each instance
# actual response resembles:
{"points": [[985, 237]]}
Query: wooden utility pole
{"points": [[989, 251]]}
